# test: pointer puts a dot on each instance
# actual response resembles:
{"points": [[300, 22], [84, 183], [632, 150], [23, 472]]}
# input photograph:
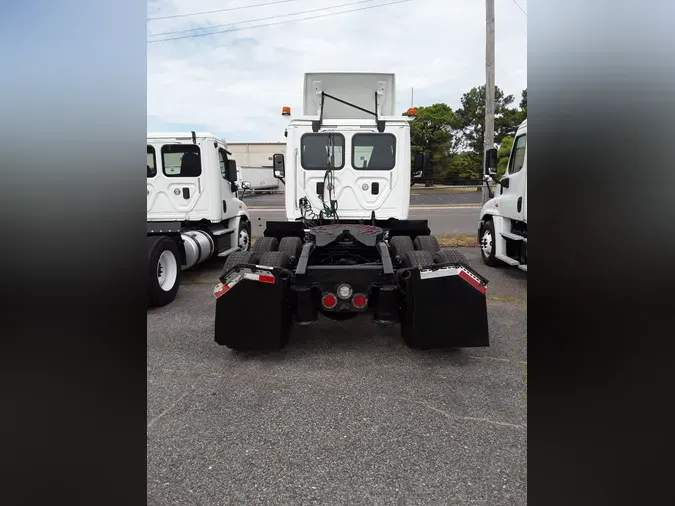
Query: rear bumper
{"points": [[438, 307]]}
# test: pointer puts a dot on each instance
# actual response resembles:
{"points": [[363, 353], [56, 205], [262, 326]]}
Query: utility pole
{"points": [[489, 139]]}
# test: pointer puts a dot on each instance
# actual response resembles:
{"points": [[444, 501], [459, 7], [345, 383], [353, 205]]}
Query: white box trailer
{"points": [[258, 178]]}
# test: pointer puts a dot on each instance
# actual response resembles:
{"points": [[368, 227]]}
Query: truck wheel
{"points": [[487, 244], [418, 259], [449, 256], [236, 258], [163, 270], [400, 245], [292, 246], [244, 236], [263, 244], [275, 259], [426, 243]]}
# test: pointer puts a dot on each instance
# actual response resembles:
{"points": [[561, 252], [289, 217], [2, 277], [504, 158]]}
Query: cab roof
{"points": [[183, 135]]}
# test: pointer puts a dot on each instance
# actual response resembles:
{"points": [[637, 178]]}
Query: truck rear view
{"points": [[347, 247]]}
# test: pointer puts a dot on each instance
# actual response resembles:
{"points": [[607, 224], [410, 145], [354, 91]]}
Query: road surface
{"points": [[442, 221], [345, 414], [417, 198]]}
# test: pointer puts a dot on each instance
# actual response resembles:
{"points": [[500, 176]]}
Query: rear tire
{"points": [[427, 243], [164, 270], [236, 258], [263, 244], [449, 256], [419, 259], [275, 259], [400, 245], [292, 246]]}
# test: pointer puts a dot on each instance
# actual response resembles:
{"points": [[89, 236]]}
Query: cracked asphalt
{"points": [[345, 414]]}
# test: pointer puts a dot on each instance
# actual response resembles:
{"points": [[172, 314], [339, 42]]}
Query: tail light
{"points": [[359, 301], [329, 301]]}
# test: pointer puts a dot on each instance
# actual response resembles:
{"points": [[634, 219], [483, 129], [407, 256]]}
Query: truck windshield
{"points": [[373, 151], [318, 149]]}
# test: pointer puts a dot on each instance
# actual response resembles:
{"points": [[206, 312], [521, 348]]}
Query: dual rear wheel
{"points": [[424, 251]]}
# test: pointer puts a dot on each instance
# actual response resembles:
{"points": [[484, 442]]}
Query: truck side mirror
{"points": [[231, 171], [418, 163], [279, 165], [491, 162]]}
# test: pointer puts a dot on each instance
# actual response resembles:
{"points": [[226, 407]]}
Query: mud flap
{"points": [[445, 307], [252, 308]]}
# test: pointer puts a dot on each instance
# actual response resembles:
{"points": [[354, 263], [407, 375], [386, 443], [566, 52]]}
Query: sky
{"points": [[234, 84]]}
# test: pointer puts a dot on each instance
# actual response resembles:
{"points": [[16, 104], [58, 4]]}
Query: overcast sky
{"points": [[234, 84]]}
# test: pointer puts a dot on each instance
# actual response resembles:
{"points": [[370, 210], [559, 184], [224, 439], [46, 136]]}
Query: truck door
{"points": [[512, 199], [230, 208], [175, 190], [361, 183]]}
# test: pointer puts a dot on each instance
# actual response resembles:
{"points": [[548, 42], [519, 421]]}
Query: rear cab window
{"points": [[181, 160], [152, 162], [373, 151], [317, 149]]}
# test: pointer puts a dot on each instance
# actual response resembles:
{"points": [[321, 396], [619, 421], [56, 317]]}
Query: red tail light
{"points": [[329, 301], [359, 301]]}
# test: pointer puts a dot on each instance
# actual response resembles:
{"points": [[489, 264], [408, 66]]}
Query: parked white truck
{"points": [[502, 229], [347, 246], [192, 209]]}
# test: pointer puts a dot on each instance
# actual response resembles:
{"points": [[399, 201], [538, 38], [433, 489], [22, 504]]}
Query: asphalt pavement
{"points": [[345, 414]]}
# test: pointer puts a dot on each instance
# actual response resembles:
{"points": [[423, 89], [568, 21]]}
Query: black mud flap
{"points": [[252, 308], [445, 307]]}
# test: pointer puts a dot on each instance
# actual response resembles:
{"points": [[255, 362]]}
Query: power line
{"points": [[278, 22], [220, 10], [514, 1], [261, 19]]}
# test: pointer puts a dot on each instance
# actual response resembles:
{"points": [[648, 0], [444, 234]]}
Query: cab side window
{"points": [[518, 154]]}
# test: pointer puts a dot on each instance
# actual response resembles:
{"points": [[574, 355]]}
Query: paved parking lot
{"points": [[346, 414]]}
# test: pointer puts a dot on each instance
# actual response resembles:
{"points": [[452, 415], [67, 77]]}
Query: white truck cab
{"points": [[502, 229], [363, 140], [193, 212]]}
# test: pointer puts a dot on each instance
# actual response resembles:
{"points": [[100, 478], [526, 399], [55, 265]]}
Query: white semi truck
{"points": [[502, 229], [192, 209], [347, 246]]}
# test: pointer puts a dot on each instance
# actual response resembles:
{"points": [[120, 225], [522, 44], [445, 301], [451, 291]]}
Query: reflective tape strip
{"points": [[263, 277], [455, 271], [439, 273], [472, 280], [222, 289]]}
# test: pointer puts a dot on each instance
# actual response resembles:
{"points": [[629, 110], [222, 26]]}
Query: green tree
{"points": [[471, 118], [523, 102], [432, 133], [503, 155], [464, 166]]}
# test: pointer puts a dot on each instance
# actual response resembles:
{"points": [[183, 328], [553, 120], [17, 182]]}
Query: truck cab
{"points": [[502, 229], [356, 155], [193, 212]]}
